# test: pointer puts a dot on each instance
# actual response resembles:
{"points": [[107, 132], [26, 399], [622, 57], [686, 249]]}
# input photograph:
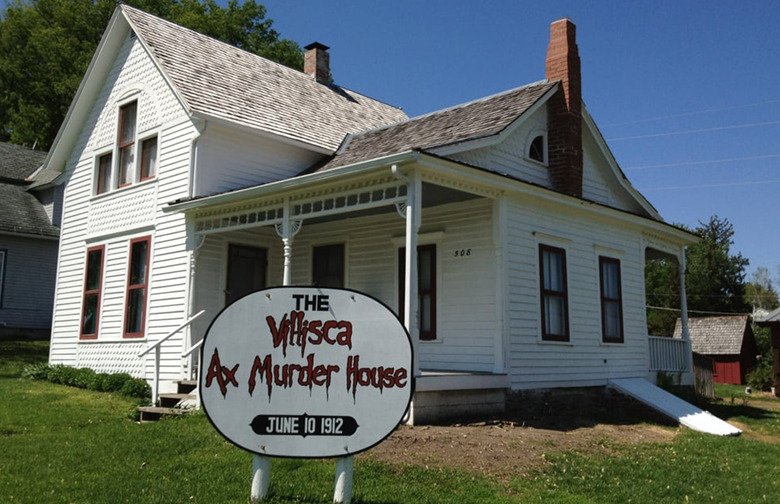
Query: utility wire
{"points": [[710, 186], [712, 161], [703, 130], [687, 114], [696, 311]]}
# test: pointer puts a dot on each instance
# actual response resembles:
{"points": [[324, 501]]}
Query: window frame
{"points": [[92, 292], [545, 293], [432, 334], [343, 255], [130, 145], [103, 176], [530, 139], [142, 177], [604, 300], [133, 287]]}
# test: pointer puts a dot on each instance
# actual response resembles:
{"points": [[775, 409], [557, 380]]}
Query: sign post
{"points": [[306, 372]]}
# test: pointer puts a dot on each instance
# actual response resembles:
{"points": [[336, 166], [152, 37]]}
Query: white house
{"points": [[196, 172]]}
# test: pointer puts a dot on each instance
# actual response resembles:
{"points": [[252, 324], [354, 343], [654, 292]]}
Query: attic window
{"points": [[132, 34], [536, 149]]}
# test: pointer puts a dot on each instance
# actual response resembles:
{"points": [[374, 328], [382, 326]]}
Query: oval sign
{"points": [[306, 372]]}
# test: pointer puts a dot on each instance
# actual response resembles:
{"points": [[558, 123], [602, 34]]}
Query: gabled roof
{"points": [[716, 335], [219, 80], [474, 120], [771, 317], [17, 162]]}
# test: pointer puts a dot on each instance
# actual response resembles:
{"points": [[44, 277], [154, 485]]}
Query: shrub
{"points": [[86, 378], [761, 377]]}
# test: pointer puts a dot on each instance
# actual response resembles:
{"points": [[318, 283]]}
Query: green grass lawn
{"points": [[59, 444]]}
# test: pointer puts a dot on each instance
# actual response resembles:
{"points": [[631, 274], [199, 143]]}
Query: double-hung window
{"points": [[93, 284], [134, 157], [426, 289], [611, 300], [553, 284], [137, 287]]}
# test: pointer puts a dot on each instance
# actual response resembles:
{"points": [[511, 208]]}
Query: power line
{"points": [[688, 132], [712, 161], [696, 311], [687, 114], [711, 186]]}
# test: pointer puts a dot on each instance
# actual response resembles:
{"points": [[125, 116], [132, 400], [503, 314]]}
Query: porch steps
{"points": [[180, 403], [671, 405]]}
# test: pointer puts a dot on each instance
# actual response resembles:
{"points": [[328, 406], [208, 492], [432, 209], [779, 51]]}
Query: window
{"points": [[246, 271], [555, 317], [93, 283], [137, 281], [611, 300], [133, 160], [536, 149], [126, 143], [426, 289], [149, 158], [104, 173], [3, 255], [328, 266]]}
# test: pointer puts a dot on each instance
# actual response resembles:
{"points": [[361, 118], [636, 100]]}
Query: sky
{"points": [[685, 92]]}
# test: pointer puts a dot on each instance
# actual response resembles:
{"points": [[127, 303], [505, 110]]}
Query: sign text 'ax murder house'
{"points": [[306, 372]]}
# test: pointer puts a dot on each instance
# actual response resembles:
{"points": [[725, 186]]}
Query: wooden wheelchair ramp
{"points": [[668, 404]]}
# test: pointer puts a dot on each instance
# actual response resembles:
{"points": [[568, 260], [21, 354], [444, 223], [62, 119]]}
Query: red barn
{"points": [[728, 341]]}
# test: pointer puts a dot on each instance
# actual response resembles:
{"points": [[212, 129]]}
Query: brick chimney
{"points": [[316, 62], [564, 115]]}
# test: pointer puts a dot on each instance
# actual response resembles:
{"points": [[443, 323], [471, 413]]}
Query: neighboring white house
{"points": [[195, 172]]}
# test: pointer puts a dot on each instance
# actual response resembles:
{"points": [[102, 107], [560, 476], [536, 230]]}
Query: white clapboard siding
{"points": [[231, 159], [115, 218], [585, 360], [466, 308]]}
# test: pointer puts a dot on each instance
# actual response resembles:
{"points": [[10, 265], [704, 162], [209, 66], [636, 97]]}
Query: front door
{"points": [[246, 271]]}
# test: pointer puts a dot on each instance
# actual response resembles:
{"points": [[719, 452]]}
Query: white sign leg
{"points": [[261, 477], [343, 492]]}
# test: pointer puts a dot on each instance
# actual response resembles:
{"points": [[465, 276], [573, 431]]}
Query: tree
{"points": [[46, 46], [715, 279], [759, 292]]}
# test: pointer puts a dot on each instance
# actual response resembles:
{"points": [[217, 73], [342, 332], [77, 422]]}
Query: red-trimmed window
{"points": [[104, 173], [611, 300], [137, 287], [126, 142], [555, 304], [426, 289], [93, 284], [149, 158]]}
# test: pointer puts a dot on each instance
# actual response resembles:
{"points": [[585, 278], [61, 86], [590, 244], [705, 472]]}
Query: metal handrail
{"points": [[192, 349], [156, 347]]}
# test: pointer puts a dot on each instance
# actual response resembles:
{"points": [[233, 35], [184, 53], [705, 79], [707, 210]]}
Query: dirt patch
{"points": [[520, 441]]}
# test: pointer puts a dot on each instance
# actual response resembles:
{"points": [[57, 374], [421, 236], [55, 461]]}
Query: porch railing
{"points": [[189, 356], [156, 347], [669, 354]]}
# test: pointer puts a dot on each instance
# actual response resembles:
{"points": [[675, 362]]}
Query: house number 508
{"points": [[462, 253]]}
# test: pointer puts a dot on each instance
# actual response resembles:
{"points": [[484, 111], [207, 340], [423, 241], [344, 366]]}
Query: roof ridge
{"points": [[453, 107]]}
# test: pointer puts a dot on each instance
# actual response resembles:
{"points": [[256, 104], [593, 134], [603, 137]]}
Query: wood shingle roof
{"points": [[477, 119], [219, 80], [716, 335]]}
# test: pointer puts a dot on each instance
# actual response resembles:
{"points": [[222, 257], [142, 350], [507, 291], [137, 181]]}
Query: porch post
{"points": [[413, 219], [287, 240], [686, 335]]}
